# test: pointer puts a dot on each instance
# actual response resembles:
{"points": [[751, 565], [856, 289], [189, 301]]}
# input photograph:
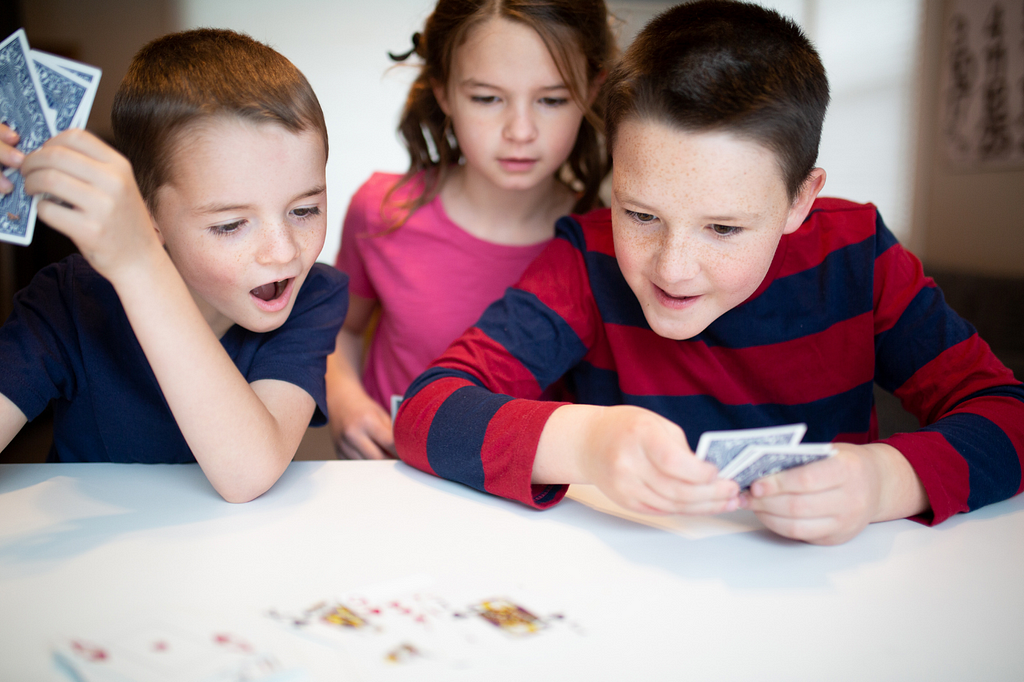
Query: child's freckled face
{"points": [[696, 219], [243, 218]]}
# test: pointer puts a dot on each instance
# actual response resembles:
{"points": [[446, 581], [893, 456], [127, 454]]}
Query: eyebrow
{"points": [[473, 83], [724, 219], [207, 209]]}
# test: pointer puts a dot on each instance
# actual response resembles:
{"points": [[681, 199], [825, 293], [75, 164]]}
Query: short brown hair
{"points": [[567, 27], [728, 66], [185, 77]]}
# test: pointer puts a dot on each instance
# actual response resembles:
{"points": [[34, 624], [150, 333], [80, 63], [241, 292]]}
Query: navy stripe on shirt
{"points": [[992, 463], [533, 334], [457, 433], [926, 311]]}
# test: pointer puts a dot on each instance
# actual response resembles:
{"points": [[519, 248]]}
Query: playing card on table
{"points": [[415, 625], [721, 447], [163, 653], [22, 108], [758, 461], [69, 87]]}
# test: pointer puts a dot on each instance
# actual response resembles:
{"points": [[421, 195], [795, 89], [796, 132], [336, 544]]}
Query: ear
{"points": [[804, 200], [152, 217], [441, 95]]}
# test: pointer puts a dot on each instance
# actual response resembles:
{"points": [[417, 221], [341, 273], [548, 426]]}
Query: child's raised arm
{"points": [[242, 435], [360, 427]]}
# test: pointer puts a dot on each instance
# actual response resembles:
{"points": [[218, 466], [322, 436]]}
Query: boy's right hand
{"points": [[637, 458], [361, 429], [108, 220], [10, 157]]}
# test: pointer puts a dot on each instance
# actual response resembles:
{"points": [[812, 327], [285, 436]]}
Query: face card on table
{"points": [[721, 447], [22, 108]]}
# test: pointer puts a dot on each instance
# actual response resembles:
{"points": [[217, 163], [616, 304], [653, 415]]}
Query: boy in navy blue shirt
{"points": [[195, 325]]}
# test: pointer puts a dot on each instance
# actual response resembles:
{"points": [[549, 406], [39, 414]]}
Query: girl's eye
{"points": [[554, 101], [306, 211], [227, 228], [642, 218], [725, 230], [484, 99]]}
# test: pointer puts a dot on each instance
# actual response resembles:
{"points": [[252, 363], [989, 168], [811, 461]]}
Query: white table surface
{"points": [[85, 546]]}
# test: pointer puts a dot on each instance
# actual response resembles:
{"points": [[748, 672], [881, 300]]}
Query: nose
{"points": [[679, 257], [278, 244], [520, 125]]}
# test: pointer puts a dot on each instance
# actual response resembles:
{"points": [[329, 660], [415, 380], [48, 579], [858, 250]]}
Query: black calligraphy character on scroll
{"points": [[995, 124], [962, 69]]}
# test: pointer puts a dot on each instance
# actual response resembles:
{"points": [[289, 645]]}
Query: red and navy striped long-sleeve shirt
{"points": [[843, 306]]}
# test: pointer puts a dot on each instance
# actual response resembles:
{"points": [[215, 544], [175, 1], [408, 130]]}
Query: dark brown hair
{"points": [[729, 66], [186, 77], [567, 27]]}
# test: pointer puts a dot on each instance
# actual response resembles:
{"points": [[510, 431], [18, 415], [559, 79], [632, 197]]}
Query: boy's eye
{"points": [[227, 228], [306, 211], [725, 230], [642, 218]]}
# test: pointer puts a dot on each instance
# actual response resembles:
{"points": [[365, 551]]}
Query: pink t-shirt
{"points": [[432, 278]]}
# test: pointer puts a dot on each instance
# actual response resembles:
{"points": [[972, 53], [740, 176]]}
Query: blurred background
{"points": [[897, 69]]}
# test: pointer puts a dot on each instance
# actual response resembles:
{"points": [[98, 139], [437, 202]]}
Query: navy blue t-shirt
{"points": [[69, 341]]}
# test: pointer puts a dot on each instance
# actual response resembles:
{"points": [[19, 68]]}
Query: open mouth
{"points": [[268, 292]]}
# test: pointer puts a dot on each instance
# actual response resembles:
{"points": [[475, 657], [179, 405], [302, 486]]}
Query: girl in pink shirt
{"points": [[504, 137]]}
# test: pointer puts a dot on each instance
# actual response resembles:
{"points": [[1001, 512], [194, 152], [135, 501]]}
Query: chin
{"points": [[672, 329]]}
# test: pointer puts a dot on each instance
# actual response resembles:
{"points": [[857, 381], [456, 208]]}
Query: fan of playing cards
{"points": [[41, 95], [746, 455]]}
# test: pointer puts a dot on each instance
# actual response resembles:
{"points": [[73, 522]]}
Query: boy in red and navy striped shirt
{"points": [[720, 292]]}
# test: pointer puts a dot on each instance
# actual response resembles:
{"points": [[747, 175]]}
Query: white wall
{"points": [[870, 52]]}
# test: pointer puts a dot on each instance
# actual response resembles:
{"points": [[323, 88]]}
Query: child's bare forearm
{"points": [[237, 440], [12, 419], [562, 443]]}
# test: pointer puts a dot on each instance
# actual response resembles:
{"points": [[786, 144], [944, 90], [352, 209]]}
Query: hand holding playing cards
{"points": [[107, 218], [10, 157], [637, 458], [832, 500]]}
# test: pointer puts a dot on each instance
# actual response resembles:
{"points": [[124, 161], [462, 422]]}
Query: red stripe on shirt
{"points": [[843, 225], [899, 277], [481, 356], [794, 372], [950, 377], [507, 456]]}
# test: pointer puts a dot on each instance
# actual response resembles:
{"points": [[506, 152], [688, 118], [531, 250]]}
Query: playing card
{"points": [[69, 86], [22, 108], [415, 624], [721, 447], [159, 652], [758, 461]]}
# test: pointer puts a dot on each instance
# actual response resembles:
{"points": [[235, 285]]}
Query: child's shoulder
{"points": [[378, 186], [324, 285], [588, 232]]}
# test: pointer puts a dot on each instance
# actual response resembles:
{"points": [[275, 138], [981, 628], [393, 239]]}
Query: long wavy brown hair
{"points": [[569, 28]]}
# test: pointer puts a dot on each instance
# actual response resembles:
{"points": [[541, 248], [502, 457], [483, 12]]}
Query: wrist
{"points": [[900, 492]]}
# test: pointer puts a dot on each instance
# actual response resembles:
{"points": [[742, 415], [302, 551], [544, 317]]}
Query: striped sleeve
{"points": [[475, 415], [970, 449]]}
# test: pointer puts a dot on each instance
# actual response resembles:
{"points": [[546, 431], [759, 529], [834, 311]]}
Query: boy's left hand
{"points": [[832, 500]]}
